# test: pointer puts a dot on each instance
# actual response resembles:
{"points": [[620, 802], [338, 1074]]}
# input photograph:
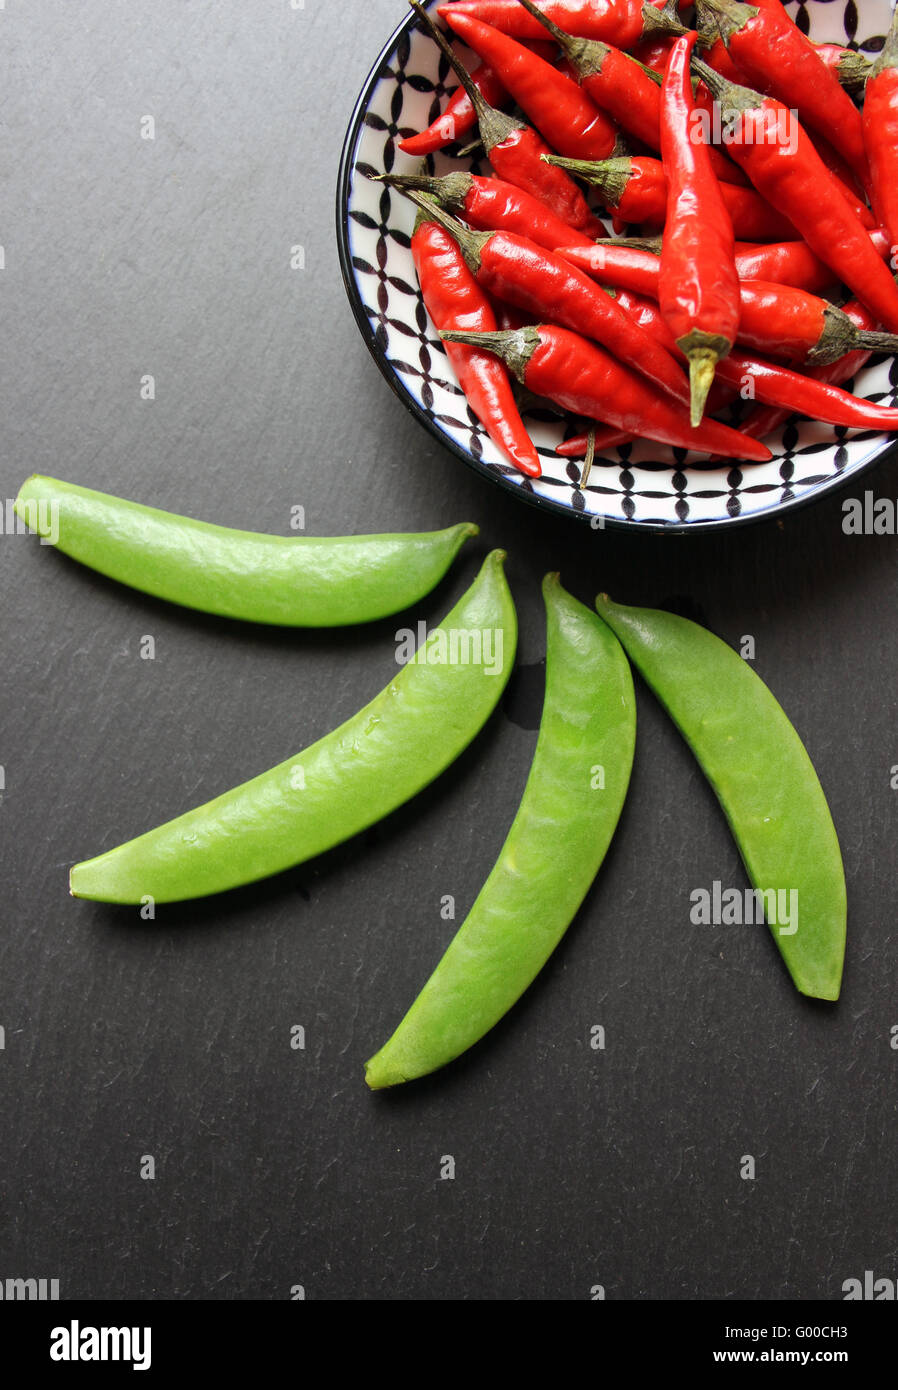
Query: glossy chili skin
{"points": [[492, 205], [516, 151], [796, 180], [561, 833], [850, 67], [654, 52], [454, 299], [459, 117], [611, 437], [764, 419], [698, 285], [881, 134], [850, 188], [620, 86], [776, 58], [508, 316], [777, 319], [643, 199], [718, 57], [603, 439], [537, 280], [516, 270], [771, 382], [557, 106], [647, 314], [780, 262], [784, 321], [783, 263], [621, 22], [519, 160], [580, 376], [623, 267], [762, 776]]}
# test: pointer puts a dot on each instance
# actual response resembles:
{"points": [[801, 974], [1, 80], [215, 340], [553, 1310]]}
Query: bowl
{"points": [[642, 486]]}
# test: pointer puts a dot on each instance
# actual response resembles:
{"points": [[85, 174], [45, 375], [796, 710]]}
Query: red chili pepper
{"points": [[754, 378], [846, 181], [508, 315], [779, 262], [453, 299], [623, 267], [621, 22], [514, 268], [612, 78], [602, 440], [492, 205], [841, 170], [698, 287], [516, 151], [648, 315], [791, 323], [764, 419], [718, 58], [635, 190], [557, 106], [777, 319], [777, 385], [620, 85], [654, 53], [783, 263], [783, 165], [793, 263], [459, 116], [851, 68], [579, 376], [777, 59], [881, 133]]}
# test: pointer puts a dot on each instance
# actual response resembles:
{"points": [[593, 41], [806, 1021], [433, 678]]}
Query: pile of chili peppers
{"points": [[760, 203]]}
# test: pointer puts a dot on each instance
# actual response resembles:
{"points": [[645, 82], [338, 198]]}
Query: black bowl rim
{"points": [[483, 470]]}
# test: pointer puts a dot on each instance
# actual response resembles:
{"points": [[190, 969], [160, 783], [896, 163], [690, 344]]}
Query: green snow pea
{"points": [[556, 844], [763, 778], [291, 581], [349, 779]]}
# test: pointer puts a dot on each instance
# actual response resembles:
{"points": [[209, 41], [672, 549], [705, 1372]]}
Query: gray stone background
{"points": [[275, 1167]]}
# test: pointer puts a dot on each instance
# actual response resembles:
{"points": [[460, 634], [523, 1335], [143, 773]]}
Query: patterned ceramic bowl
{"points": [[645, 485]]}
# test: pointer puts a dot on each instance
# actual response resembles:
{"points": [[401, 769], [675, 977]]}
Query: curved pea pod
{"points": [[354, 776], [763, 778], [291, 581], [564, 825]]}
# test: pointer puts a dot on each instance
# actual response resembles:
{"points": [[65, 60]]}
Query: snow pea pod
{"points": [[291, 581], [556, 844], [763, 778], [354, 776]]}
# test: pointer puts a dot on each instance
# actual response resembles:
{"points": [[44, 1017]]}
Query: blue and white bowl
{"points": [[642, 485]]}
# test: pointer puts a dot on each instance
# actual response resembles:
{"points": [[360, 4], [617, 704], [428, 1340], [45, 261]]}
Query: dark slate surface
{"points": [[274, 1167]]}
